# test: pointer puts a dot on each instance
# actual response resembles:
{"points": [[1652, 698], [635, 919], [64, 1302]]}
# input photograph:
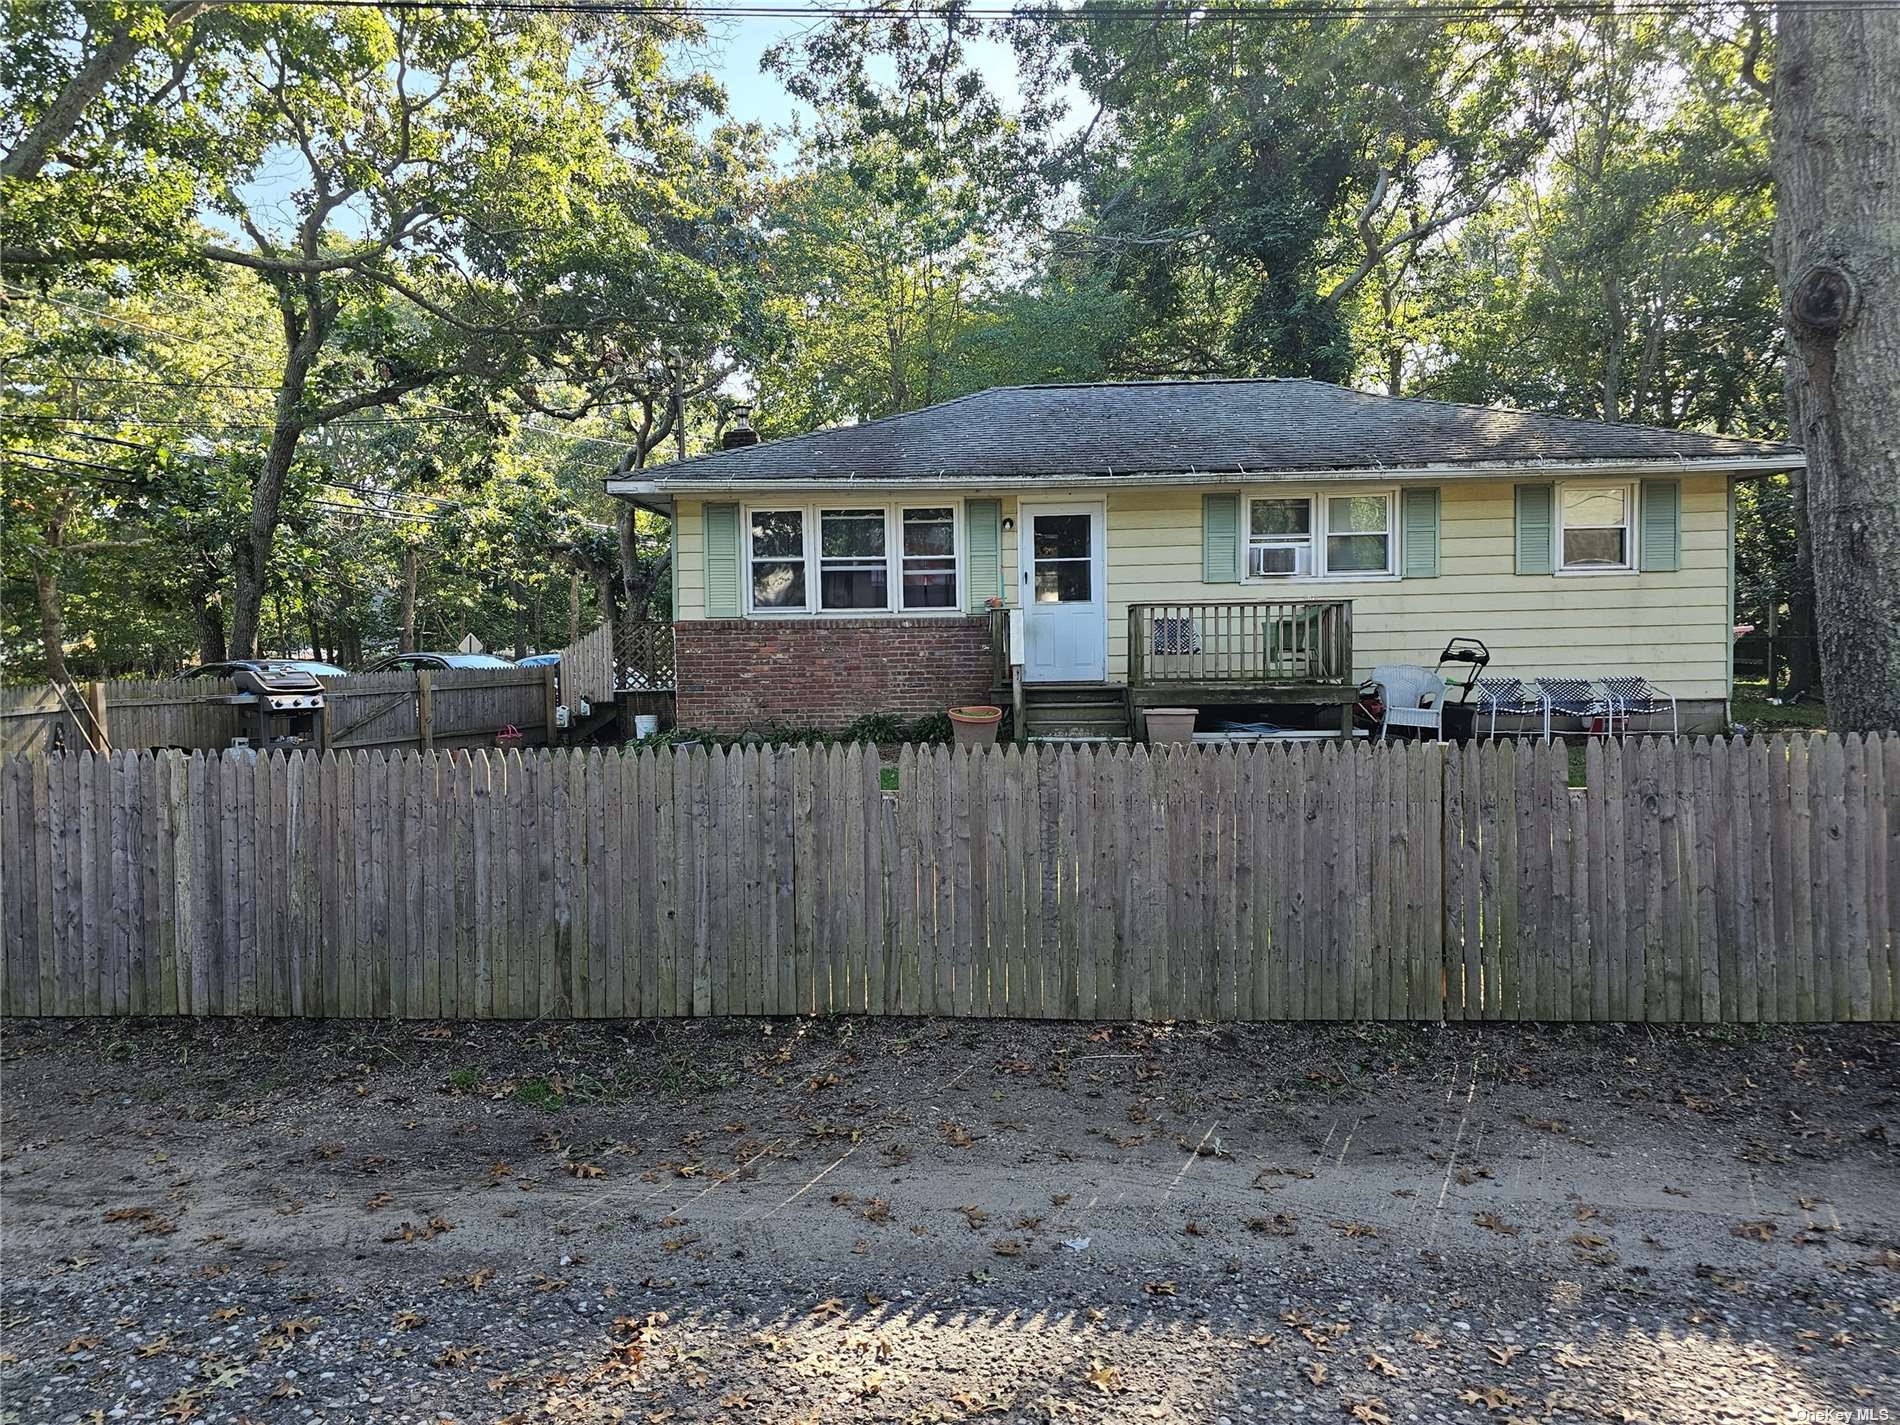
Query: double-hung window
{"points": [[854, 569], [1359, 534], [1596, 534], [852, 558], [1321, 536], [776, 540], [929, 557], [1280, 537]]}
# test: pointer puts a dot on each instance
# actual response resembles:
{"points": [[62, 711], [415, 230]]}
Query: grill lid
{"points": [[276, 679]]}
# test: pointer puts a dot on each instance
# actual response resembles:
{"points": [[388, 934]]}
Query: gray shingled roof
{"points": [[1184, 427]]}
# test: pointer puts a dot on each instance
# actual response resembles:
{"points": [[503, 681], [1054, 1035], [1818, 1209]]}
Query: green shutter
{"points": [[1661, 532], [983, 520], [722, 561], [1220, 539], [1418, 524], [1536, 529]]}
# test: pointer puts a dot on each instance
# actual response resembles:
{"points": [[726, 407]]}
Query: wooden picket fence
{"points": [[1687, 882]]}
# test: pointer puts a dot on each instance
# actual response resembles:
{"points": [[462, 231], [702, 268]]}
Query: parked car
{"points": [[537, 660], [405, 662], [264, 665]]}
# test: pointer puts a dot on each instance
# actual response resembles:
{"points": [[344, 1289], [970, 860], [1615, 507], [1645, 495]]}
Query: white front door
{"points": [[1064, 592]]}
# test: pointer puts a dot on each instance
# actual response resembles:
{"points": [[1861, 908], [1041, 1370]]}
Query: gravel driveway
{"points": [[928, 1221]]}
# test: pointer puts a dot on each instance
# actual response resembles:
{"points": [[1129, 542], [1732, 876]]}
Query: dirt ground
{"points": [[927, 1221]]}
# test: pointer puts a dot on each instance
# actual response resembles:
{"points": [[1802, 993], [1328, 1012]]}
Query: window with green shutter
{"points": [[1220, 539], [1660, 535], [1536, 529], [1418, 532]]}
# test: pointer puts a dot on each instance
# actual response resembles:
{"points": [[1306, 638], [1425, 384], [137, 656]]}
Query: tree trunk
{"points": [[254, 552], [411, 568], [210, 619], [629, 560], [52, 623], [573, 608], [1804, 673], [305, 322], [1837, 230]]}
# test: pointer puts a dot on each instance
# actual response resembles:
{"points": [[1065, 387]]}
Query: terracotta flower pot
{"points": [[975, 726], [1171, 725]]}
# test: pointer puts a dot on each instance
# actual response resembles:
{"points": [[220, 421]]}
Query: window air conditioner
{"points": [[1280, 561]]}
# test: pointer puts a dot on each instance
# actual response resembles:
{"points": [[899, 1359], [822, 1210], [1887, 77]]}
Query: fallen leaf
{"points": [[1105, 1378]]}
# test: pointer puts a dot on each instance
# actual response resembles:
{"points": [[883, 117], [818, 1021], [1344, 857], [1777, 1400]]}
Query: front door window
{"points": [[1065, 562]]}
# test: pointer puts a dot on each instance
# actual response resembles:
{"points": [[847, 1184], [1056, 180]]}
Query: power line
{"points": [[147, 381], [209, 427], [1377, 9]]}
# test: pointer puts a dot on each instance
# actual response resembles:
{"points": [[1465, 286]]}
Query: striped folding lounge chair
{"points": [[1636, 696], [1576, 697], [1512, 697]]}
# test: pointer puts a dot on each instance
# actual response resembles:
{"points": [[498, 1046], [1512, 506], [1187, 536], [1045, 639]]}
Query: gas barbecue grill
{"points": [[280, 707]]}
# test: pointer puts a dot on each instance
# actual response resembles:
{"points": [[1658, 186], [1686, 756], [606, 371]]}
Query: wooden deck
{"points": [[1206, 653]]}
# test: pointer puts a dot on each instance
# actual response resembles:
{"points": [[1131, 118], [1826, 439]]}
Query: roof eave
{"points": [[1735, 465]]}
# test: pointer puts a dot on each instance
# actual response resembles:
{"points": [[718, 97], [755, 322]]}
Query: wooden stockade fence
{"points": [[446, 708], [1688, 882]]}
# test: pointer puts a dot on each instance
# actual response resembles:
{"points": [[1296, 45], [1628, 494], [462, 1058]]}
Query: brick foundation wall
{"points": [[735, 674]]}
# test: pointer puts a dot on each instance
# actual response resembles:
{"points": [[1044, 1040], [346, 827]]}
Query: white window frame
{"points": [[852, 562], [1284, 541], [805, 545], [1317, 498], [812, 513], [1589, 571]]}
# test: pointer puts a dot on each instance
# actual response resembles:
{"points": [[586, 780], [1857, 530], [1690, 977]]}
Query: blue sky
{"points": [[732, 54], [736, 46]]}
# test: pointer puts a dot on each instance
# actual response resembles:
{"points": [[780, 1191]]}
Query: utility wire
{"points": [[1268, 14]]}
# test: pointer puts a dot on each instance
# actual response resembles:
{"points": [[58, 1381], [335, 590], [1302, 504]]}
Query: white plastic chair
{"points": [[1413, 697]]}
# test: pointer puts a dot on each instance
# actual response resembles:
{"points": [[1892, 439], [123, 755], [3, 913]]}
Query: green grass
{"points": [[1753, 710], [539, 1093]]}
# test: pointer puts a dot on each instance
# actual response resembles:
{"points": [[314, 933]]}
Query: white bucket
{"points": [[645, 724]]}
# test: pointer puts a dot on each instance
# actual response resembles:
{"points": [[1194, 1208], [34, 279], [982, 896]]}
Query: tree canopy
{"points": [[325, 323]]}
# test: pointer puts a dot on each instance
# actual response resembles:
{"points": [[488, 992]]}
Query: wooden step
{"points": [[1045, 694], [1084, 721]]}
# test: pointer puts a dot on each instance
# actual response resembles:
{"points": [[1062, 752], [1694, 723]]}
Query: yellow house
{"points": [[1237, 546]]}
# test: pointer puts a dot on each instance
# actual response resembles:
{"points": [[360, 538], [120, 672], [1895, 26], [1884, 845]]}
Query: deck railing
{"points": [[1288, 642]]}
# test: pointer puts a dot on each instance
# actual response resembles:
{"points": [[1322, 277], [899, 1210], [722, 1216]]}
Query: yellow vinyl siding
{"points": [[689, 559], [1673, 627]]}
